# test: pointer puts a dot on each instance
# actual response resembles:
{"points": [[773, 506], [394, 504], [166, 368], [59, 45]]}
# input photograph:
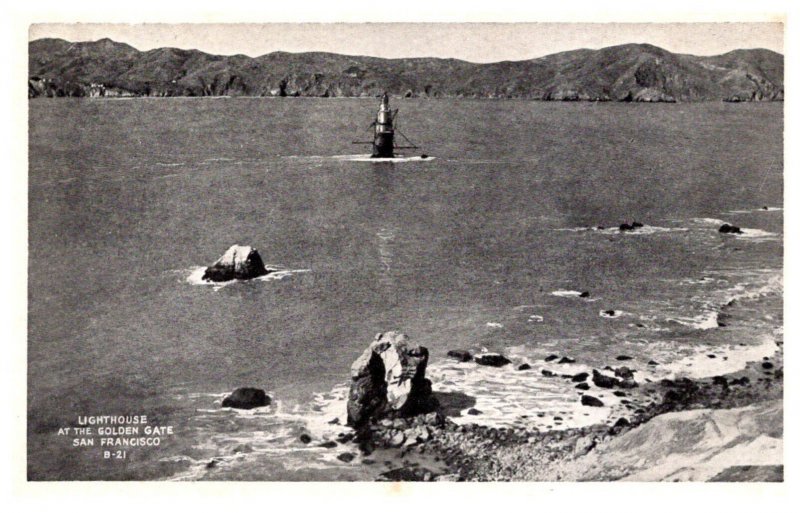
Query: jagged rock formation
{"points": [[388, 381], [239, 263], [632, 72]]}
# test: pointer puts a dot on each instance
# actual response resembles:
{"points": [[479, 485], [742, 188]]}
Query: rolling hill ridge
{"points": [[631, 72]]}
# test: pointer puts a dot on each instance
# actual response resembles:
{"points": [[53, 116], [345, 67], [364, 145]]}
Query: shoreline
{"points": [[473, 452], [464, 443]]}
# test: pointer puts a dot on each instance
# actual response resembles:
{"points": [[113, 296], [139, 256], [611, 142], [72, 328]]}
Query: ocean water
{"points": [[484, 246]]}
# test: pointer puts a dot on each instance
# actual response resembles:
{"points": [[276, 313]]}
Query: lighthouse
{"points": [[384, 127], [383, 143]]}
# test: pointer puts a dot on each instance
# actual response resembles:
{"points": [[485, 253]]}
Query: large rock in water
{"points": [[388, 381], [239, 262], [246, 398]]}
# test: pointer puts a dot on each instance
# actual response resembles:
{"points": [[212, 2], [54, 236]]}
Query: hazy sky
{"points": [[473, 42]]}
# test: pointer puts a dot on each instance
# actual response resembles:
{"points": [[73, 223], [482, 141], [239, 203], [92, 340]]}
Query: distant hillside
{"points": [[632, 72]]}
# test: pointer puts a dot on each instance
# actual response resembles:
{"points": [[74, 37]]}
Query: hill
{"points": [[631, 72]]}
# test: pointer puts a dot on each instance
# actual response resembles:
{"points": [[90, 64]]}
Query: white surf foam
{"points": [[753, 234], [566, 293], [644, 230], [704, 321], [506, 397], [727, 359], [757, 210], [648, 230], [579, 229], [368, 158], [271, 431], [195, 277], [709, 220], [757, 235], [757, 283]]}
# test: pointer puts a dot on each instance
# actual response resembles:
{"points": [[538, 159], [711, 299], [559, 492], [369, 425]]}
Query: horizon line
{"points": [[395, 58]]}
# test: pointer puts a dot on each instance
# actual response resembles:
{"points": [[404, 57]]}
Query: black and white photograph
{"points": [[405, 251]]}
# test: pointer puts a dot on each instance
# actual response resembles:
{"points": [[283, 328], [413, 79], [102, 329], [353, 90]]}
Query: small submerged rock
{"points": [[405, 474], [346, 457], [247, 398], [243, 449], [524, 367], [588, 400], [603, 381], [625, 227], [492, 360], [620, 425], [624, 373], [720, 381], [584, 444], [729, 228], [238, 263], [461, 355]]}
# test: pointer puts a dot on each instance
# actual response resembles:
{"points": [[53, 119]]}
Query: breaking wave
{"points": [[566, 293], [195, 277], [366, 157]]}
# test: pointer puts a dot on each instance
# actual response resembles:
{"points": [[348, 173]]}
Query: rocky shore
{"points": [[661, 431], [475, 452]]}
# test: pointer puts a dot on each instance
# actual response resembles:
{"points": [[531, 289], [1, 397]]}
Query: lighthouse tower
{"points": [[383, 144]]}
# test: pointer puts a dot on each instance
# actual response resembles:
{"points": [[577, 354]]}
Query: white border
{"points": [[19, 494]]}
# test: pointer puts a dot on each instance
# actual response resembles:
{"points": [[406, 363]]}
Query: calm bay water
{"points": [[465, 250]]}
